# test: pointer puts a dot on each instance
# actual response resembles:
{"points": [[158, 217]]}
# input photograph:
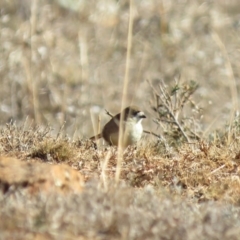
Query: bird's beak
{"points": [[142, 115]]}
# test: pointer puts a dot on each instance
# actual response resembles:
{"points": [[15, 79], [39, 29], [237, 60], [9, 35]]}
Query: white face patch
{"points": [[138, 117]]}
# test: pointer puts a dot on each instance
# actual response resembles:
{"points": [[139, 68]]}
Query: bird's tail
{"points": [[96, 137]]}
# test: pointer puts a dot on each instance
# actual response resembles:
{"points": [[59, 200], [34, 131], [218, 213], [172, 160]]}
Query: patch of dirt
{"points": [[37, 177]]}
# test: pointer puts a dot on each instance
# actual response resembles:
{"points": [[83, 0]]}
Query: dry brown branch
{"points": [[151, 133], [170, 104]]}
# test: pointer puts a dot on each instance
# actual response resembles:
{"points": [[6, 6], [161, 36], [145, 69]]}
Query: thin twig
{"points": [[151, 133], [60, 130], [176, 122], [164, 120], [176, 96], [104, 165], [108, 113], [163, 91], [217, 169]]}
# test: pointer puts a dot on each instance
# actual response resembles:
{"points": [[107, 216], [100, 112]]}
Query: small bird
{"points": [[132, 127]]}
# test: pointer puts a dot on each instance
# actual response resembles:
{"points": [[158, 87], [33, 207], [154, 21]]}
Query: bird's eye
{"points": [[136, 112]]}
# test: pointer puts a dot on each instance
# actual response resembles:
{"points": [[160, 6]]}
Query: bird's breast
{"points": [[132, 133]]}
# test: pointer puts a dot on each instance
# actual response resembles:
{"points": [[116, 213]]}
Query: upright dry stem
{"points": [[125, 88], [35, 102], [232, 80]]}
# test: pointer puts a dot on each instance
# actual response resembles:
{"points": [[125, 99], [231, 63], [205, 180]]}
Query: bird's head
{"points": [[133, 113]]}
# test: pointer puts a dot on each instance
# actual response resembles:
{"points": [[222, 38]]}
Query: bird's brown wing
{"points": [[110, 132]]}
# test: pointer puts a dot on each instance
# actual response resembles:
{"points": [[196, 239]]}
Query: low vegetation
{"points": [[185, 191]]}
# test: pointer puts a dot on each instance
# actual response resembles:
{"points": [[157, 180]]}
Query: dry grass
{"points": [[59, 64], [191, 191]]}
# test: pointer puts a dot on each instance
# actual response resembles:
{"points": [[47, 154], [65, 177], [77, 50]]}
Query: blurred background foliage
{"points": [[62, 62]]}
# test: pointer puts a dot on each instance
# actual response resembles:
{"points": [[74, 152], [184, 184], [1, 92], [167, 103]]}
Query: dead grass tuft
{"points": [[51, 150], [21, 139]]}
